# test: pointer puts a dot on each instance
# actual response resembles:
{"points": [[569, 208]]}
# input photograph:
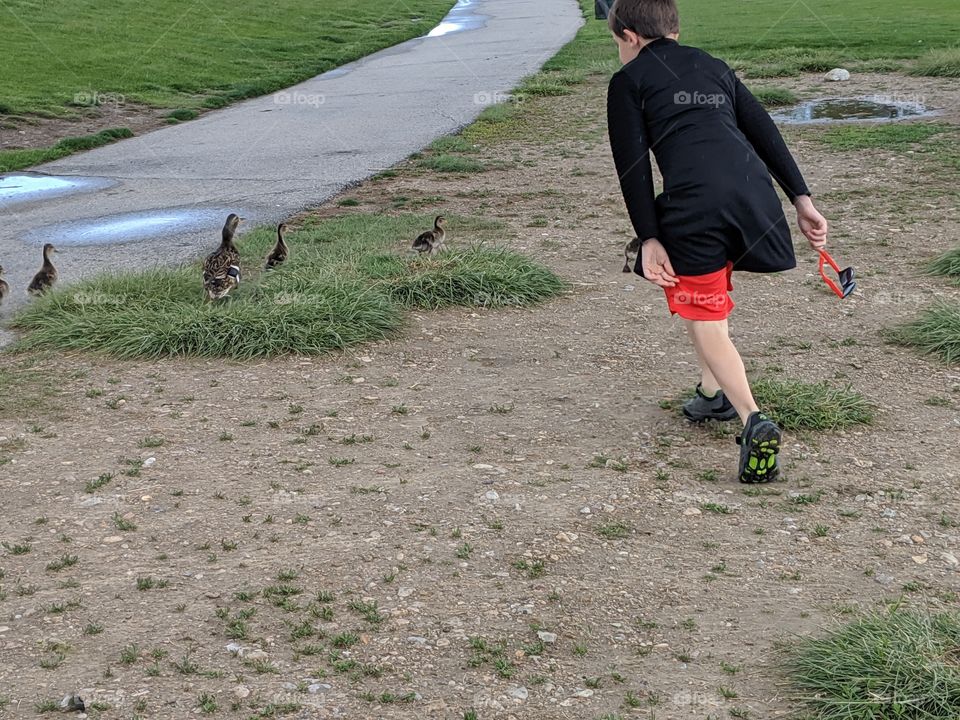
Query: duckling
{"points": [[431, 241], [632, 248], [279, 253], [4, 286], [47, 275], [221, 269]]}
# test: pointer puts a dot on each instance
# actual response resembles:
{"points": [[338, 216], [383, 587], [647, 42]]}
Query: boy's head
{"points": [[649, 19]]}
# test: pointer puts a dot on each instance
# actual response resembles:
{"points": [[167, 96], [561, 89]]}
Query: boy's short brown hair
{"points": [[647, 18]]}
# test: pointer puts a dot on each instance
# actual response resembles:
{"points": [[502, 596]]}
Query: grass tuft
{"points": [[775, 96], [942, 62], [947, 265], [905, 664], [18, 159], [481, 277], [935, 332], [797, 405]]}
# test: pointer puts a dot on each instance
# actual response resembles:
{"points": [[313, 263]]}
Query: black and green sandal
{"points": [[759, 446], [701, 408]]}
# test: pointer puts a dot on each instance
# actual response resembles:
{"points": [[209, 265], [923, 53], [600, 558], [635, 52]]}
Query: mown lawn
{"points": [[766, 38], [182, 53]]}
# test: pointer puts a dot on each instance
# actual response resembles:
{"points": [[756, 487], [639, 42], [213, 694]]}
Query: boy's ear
{"points": [[631, 37]]}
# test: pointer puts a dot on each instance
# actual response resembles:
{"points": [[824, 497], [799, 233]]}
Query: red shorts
{"points": [[702, 297]]}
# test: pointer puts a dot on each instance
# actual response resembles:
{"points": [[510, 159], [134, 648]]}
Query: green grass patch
{"points": [[480, 277], [18, 159], [183, 114], [348, 280], [445, 163], [176, 53], [947, 265], [935, 332], [545, 85], [942, 62], [766, 38], [453, 144], [879, 137], [775, 96], [796, 405], [787, 61], [903, 665]]}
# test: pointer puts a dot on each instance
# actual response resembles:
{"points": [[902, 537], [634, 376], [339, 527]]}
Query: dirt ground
{"points": [[36, 132], [492, 512]]}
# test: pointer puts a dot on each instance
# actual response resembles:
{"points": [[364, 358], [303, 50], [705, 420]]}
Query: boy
{"points": [[716, 148]]}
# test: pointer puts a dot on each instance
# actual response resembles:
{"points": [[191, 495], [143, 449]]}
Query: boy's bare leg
{"points": [[708, 383], [719, 356]]}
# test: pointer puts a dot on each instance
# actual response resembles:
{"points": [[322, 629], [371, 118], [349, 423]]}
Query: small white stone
{"points": [[405, 592], [149, 461], [585, 510], [547, 637], [837, 75], [693, 511], [519, 693], [492, 495]]}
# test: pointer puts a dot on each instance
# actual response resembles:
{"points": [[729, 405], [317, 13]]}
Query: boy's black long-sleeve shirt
{"points": [[716, 148]]}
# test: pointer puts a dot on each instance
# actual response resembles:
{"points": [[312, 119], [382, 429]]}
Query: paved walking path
{"points": [[162, 197]]}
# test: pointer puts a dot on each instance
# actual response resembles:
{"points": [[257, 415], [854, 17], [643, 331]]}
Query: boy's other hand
{"points": [[812, 224], [656, 264]]}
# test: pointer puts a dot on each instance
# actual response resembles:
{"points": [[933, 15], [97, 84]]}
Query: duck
{"points": [[280, 251], [46, 276], [4, 286], [431, 241], [221, 269], [632, 248]]}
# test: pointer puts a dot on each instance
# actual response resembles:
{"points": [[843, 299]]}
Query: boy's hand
{"points": [[656, 264], [812, 224]]}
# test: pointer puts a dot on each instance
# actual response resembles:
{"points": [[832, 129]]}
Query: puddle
{"points": [[31, 187], [132, 227], [866, 109], [459, 19]]}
